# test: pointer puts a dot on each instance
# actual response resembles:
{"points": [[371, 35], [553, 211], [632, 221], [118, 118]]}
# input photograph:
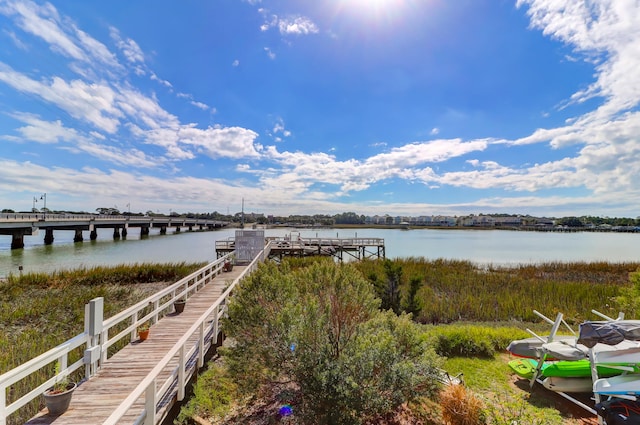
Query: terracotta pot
{"points": [[143, 335]]}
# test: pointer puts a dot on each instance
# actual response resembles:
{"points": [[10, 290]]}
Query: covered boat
{"points": [[531, 347], [608, 332]]}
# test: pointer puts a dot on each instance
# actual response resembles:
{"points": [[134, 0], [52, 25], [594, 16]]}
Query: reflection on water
{"points": [[480, 246]]}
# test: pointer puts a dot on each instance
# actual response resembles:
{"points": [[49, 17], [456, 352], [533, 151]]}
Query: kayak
{"points": [[618, 385], [568, 385], [525, 367], [564, 350], [578, 369], [628, 355], [530, 347]]}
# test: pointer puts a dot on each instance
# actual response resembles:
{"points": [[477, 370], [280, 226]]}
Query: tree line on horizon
{"points": [[329, 220]]}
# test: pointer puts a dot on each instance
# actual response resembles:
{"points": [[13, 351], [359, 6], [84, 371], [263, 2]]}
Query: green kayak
{"points": [[564, 369], [579, 369], [525, 367]]}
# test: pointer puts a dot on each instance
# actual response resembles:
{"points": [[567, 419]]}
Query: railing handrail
{"points": [[147, 382], [61, 351]]}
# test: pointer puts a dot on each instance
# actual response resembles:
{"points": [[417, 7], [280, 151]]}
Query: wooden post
{"points": [[181, 374], [150, 404]]}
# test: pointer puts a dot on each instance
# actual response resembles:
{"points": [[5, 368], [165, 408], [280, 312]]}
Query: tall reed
{"points": [[454, 290]]}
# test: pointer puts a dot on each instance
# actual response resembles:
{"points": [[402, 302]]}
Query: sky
{"points": [[400, 107]]}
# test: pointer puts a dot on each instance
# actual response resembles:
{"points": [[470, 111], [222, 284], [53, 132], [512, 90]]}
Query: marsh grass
{"points": [[454, 290], [472, 340], [39, 311]]}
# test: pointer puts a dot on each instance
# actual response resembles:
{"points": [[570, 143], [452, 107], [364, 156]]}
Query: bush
{"points": [[461, 407], [473, 341], [214, 393], [319, 328]]}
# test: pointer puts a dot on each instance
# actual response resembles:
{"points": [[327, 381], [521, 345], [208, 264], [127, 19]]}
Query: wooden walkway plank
{"points": [[96, 399]]}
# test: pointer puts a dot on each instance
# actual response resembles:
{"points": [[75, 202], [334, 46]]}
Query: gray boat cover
{"points": [[609, 332]]}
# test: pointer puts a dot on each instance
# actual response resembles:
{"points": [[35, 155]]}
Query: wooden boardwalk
{"points": [[96, 399]]}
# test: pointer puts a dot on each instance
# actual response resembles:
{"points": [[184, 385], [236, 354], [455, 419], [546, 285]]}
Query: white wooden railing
{"points": [[96, 339], [207, 324]]}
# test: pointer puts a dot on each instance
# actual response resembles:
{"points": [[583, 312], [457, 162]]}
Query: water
{"points": [[499, 247]]}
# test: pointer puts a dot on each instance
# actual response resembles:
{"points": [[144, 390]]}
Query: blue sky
{"points": [[401, 107]]}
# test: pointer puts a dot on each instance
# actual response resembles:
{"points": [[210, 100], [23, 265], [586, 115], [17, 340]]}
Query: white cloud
{"points": [[19, 43], [200, 105], [279, 128], [41, 131], [144, 109], [126, 157], [165, 83], [235, 63], [219, 142], [128, 47], [270, 53], [297, 25], [93, 103], [607, 32], [434, 131], [44, 22]]}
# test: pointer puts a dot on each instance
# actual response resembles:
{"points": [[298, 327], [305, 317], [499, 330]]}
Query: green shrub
{"points": [[213, 395], [319, 328], [473, 341]]}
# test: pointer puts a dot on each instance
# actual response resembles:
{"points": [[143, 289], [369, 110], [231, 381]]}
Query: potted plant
{"points": [[179, 304], [228, 266], [58, 397], [143, 331]]}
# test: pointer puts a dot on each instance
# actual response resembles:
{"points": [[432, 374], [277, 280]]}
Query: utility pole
{"points": [[242, 215], [44, 209]]}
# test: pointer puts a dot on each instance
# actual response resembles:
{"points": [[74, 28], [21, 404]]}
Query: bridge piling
{"points": [[116, 233], [93, 235], [78, 236], [17, 240], [48, 236]]}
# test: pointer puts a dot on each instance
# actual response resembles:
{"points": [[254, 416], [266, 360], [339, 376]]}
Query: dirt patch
{"points": [[542, 397]]}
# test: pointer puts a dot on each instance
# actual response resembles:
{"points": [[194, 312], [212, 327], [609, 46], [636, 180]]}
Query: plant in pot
{"points": [[179, 304], [227, 266], [143, 331], [58, 397]]}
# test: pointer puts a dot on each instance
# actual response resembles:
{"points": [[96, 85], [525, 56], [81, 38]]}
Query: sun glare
{"points": [[375, 9]]}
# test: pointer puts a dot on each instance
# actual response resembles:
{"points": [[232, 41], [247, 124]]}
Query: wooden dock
{"points": [[295, 246], [96, 399]]}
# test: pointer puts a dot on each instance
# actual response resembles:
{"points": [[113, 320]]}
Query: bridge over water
{"points": [[17, 225]]}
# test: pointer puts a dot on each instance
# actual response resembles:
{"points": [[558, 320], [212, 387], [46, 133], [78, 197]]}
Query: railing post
{"points": [[150, 404], [216, 313], [134, 319], [201, 350], [94, 323], [3, 405], [181, 373], [156, 304]]}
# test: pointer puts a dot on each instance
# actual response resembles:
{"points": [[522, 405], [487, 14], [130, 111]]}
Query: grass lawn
{"points": [[510, 397]]}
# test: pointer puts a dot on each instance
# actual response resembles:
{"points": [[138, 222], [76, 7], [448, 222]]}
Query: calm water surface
{"points": [[500, 247]]}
